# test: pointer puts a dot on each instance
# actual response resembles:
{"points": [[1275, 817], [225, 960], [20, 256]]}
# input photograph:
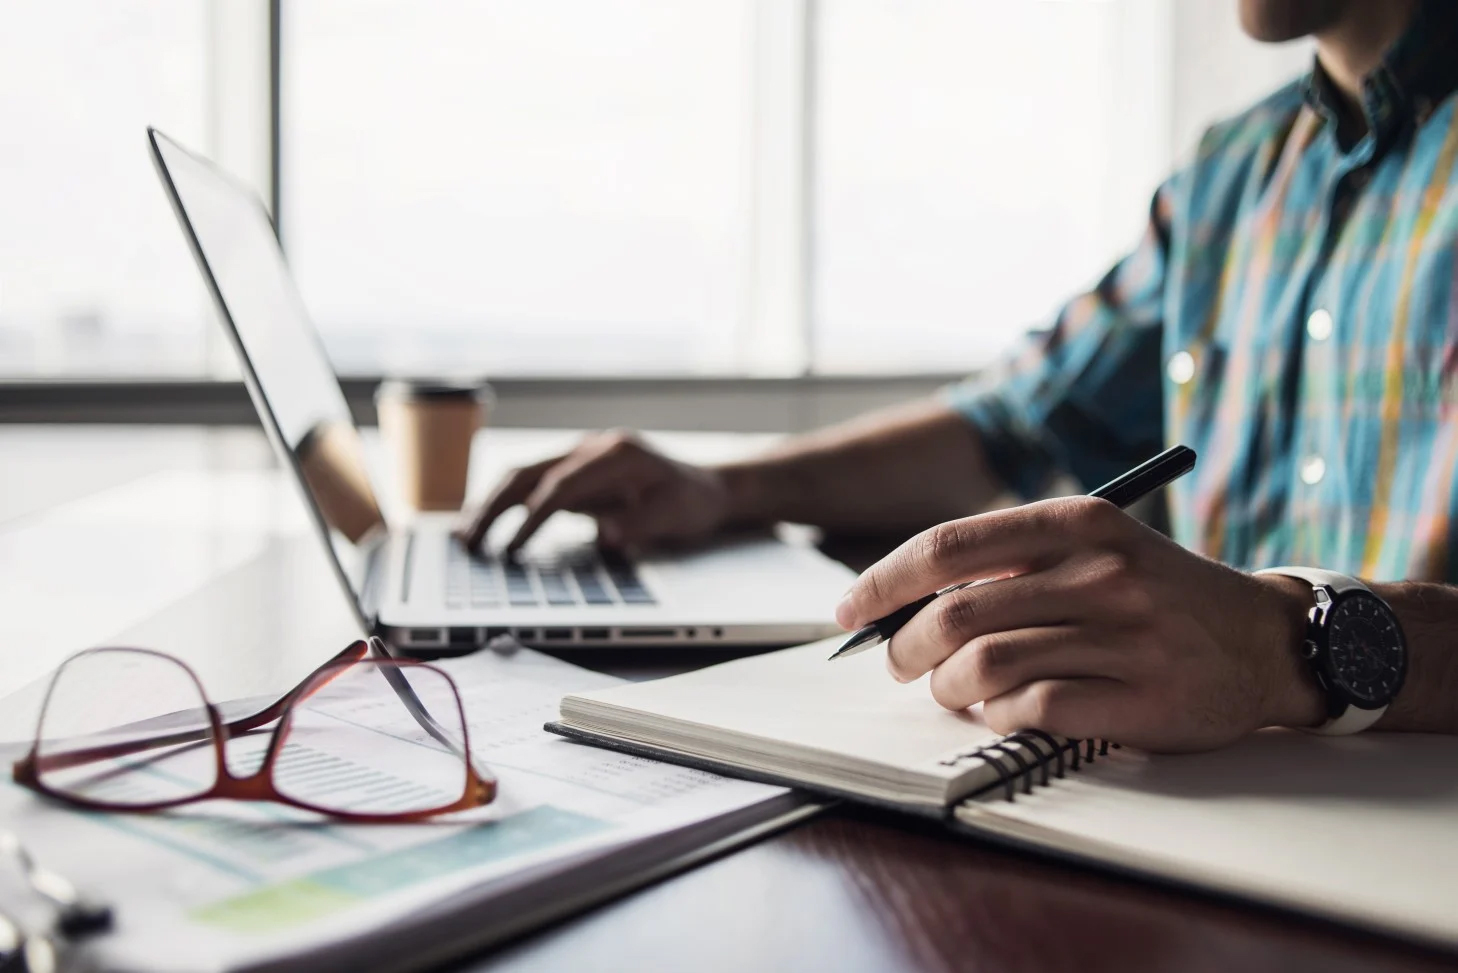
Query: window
{"points": [[94, 277], [971, 172], [544, 187], [978, 163], [599, 187]]}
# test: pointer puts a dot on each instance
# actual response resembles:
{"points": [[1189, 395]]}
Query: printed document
{"points": [[228, 885]]}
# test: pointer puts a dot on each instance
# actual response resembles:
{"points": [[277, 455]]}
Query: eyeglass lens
{"points": [[125, 727], [352, 745]]}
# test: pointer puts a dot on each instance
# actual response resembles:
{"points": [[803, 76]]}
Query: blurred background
{"points": [[787, 204]]}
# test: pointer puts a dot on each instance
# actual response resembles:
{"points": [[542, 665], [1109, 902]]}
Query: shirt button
{"points": [[1181, 367], [1319, 325], [1313, 468]]}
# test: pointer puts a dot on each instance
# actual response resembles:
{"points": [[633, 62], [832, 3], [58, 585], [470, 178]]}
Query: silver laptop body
{"points": [[414, 583]]}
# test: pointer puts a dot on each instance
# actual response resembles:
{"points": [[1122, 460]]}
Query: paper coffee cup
{"points": [[428, 427]]}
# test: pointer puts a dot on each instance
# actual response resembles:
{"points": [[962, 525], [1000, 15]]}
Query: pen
{"points": [[1121, 491]]}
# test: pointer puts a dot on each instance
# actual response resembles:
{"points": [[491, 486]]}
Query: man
{"points": [[1292, 314]]}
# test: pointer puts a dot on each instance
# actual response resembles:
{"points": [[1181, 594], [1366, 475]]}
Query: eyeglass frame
{"points": [[479, 789]]}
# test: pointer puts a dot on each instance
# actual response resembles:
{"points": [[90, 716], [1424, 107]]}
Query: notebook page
{"points": [[851, 706], [1363, 829]]}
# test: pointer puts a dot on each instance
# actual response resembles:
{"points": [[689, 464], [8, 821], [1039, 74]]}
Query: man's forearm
{"points": [[1428, 700], [900, 469]]}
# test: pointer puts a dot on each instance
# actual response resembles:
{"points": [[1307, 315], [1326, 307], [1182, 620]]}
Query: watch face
{"points": [[1366, 652]]}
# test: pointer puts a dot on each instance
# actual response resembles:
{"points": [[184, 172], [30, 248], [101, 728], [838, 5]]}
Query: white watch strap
{"points": [[1355, 719], [1334, 581]]}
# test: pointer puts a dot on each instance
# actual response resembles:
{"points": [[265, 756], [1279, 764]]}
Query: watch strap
{"points": [[1353, 719], [1336, 582]]}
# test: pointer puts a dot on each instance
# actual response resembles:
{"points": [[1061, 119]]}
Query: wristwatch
{"points": [[1355, 647]]}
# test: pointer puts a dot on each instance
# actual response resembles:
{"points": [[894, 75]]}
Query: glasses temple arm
{"points": [[374, 647], [353, 652], [75, 758], [412, 702]]}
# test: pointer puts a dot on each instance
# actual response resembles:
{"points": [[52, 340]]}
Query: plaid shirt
{"points": [[1292, 315]]}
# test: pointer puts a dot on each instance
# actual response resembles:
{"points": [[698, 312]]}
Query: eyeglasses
{"points": [[131, 730]]}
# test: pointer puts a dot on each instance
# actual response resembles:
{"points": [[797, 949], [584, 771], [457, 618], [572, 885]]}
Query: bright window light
{"points": [[94, 277], [519, 187], [964, 158], [600, 187]]}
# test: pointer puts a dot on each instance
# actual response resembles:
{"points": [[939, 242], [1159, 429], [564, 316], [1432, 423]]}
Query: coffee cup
{"points": [[429, 426]]}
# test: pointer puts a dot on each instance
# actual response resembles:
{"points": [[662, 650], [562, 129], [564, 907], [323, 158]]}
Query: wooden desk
{"points": [[849, 891]]}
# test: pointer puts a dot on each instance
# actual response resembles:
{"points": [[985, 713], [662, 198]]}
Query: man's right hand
{"points": [[638, 496]]}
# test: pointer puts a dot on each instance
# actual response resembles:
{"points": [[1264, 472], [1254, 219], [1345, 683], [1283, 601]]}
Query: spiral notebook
{"points": [[1362, 830]]}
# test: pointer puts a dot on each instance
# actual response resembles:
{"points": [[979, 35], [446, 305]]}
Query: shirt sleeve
{"points": [[1085, 395]]}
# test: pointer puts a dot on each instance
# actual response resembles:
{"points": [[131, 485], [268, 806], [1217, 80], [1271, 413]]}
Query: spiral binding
{"points": [[1028, 759]]}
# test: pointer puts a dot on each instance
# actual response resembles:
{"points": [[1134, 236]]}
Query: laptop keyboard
{"points": [[584, 577]]}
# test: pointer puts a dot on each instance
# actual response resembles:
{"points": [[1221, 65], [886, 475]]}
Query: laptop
{"points": [[413, 582]]}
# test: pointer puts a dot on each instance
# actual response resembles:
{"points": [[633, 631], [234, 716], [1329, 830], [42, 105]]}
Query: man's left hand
{"points": [[1102, 628]]}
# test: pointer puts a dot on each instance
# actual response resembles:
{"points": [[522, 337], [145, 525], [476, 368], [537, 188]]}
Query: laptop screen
{"points": [[292, 384]]}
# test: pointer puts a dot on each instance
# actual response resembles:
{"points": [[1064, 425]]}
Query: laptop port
{"points": [[594, 635], [647, 633], [557, 634], [425, 634], [496, 631], [463, 636], [525, 634]]}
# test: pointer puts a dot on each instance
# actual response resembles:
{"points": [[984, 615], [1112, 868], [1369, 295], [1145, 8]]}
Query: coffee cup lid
{"points": [[434, 389]]}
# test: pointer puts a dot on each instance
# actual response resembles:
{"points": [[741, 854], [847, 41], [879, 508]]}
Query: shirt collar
{"points": [[1415, 75]]}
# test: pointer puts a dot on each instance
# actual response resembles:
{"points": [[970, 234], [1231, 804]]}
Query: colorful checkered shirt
{"points": [[1292, 315]]}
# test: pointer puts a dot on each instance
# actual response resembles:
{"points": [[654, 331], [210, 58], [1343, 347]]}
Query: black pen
{"points": [[1141, 481]]}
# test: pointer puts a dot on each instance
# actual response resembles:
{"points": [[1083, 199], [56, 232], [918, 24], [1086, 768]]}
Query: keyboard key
{"points": [[519, 589], [591, 586], [485, 580], [555, 588], [630, 589], [579, 576], [635, 594]]}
